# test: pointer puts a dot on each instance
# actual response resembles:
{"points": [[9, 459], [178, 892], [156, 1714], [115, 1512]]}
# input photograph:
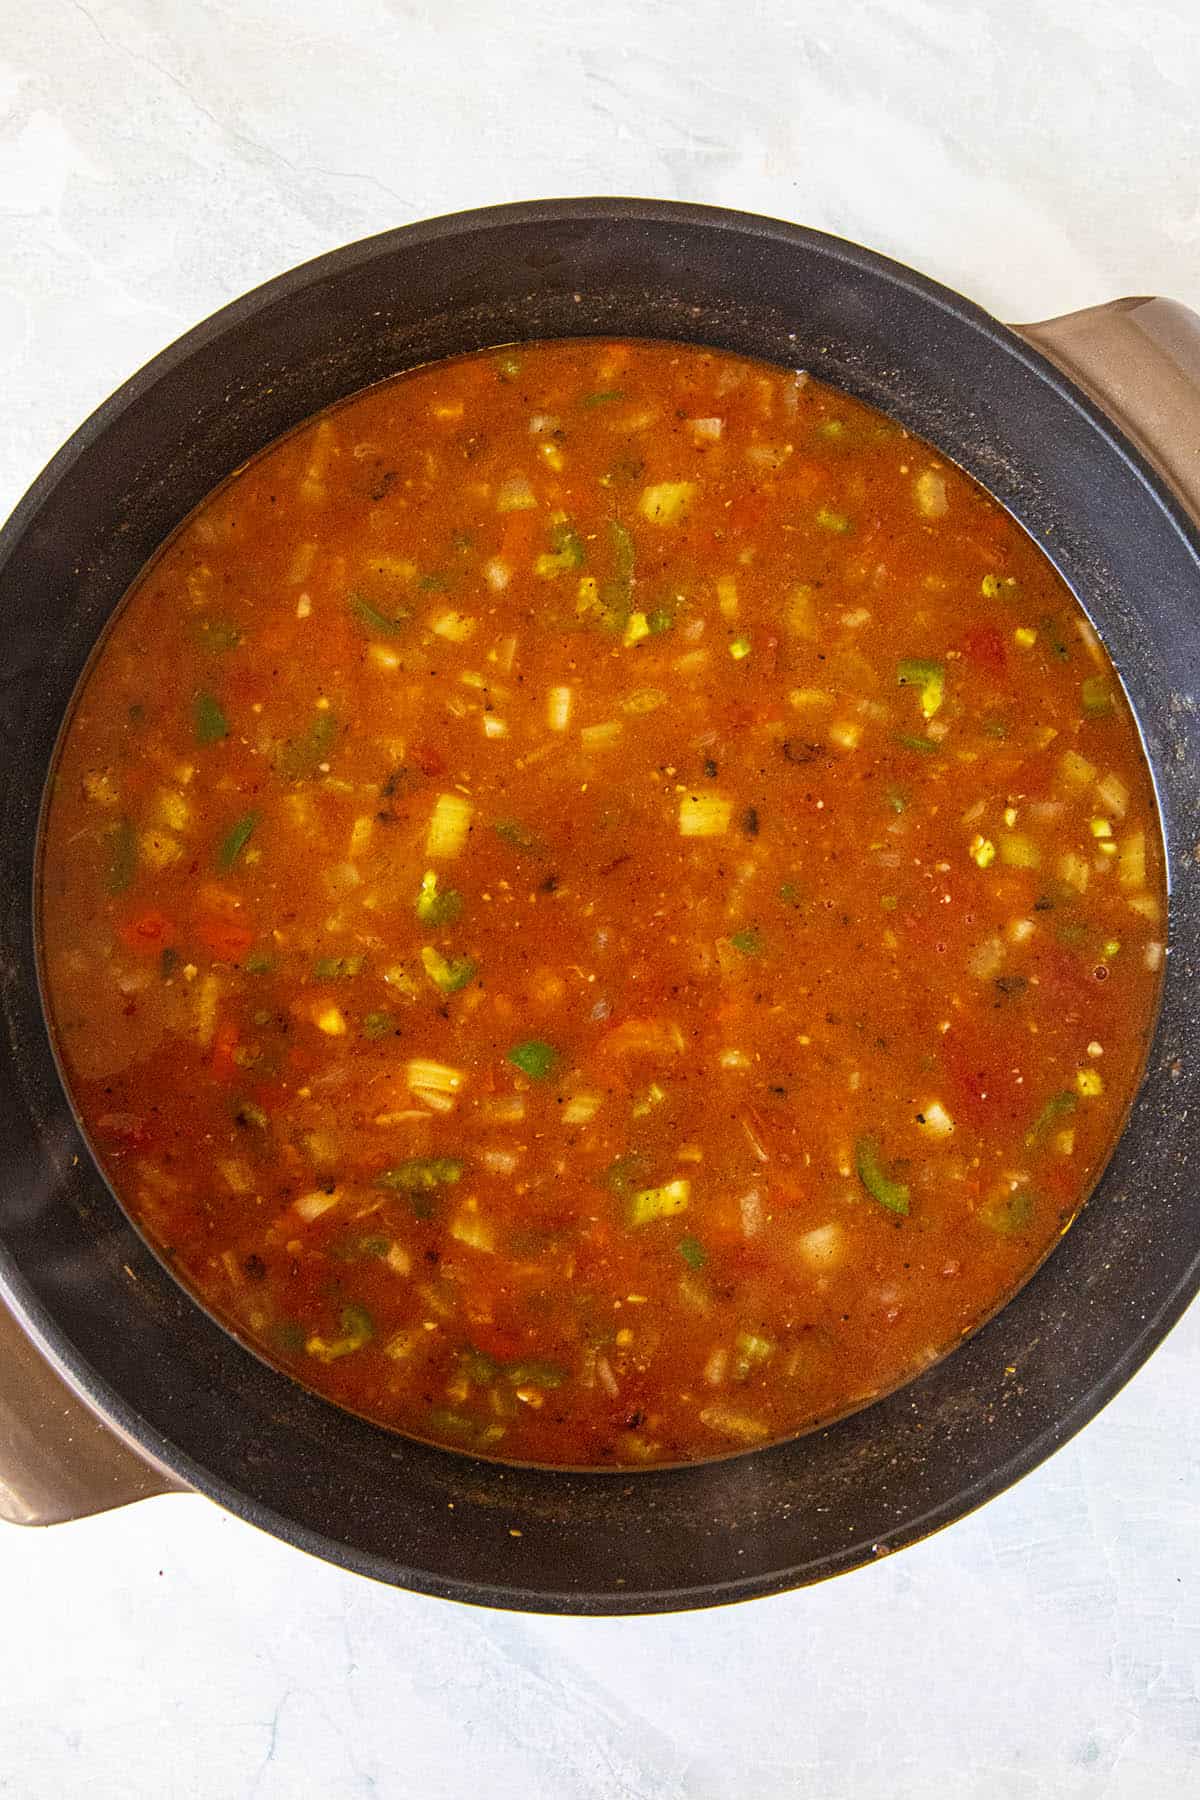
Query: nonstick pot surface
{"points": [[170, 1378]]}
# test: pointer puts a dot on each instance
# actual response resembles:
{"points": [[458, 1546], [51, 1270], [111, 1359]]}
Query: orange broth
{"points": [[601, 904]]}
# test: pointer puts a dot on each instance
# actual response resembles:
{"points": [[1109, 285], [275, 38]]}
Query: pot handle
{"points": [[1139, 360], [57, 1460]]}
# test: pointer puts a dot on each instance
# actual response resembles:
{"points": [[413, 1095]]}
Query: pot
{"points": [[115, 1383]]}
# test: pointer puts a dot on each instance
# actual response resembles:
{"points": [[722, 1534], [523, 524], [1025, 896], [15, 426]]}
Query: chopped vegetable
{"points": [[931, 496], [337, 968], [693, 1252], [998, 587], [449, 826], [303, 756], [421, 1174], [357, 1329], [647, 1204], [448, 974], [892, 1194], [1008, 1212], [209, 721], [437, 906], [749, 941], [512, 832], [515, 495], [1056, 1109], [1096, 695], [534, 1058], [566, 551], [750, 1350], [667, 502], [704, 815], [433, 1077], [122, 846], [235, 840], [929, 677], [371, 619]]}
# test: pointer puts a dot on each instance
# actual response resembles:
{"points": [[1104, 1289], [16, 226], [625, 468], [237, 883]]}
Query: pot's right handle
{"points": [[57, 1460], [1138, 359]]}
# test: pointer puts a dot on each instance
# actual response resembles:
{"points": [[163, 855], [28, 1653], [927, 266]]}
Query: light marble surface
{"points": [[157, 158]]}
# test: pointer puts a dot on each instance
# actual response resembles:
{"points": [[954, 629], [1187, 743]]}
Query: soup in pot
{"points": [[601, 904]]}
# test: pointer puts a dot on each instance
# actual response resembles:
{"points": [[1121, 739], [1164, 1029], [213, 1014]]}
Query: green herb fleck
{"points": [[519, 837], [1059, 1106], [372, 619], [303, 756], [217, 635], [437, 906], [421, 1174], [1008, 1214], [748, 941], [337, 968], [235, 841], [121, 844], [208, 721], [534, 1058], [693, 1252]]}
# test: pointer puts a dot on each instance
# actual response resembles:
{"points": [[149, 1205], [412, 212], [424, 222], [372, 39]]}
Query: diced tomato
{"points": [[149, 934], [428, 760], [224, 938], [225, 1042], [128, 1130], [984, 646]]}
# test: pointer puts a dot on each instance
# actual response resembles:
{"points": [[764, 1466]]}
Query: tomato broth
{"points": [[601, 903]]}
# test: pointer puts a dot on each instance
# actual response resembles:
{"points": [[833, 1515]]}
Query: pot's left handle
{"points": [[57, 1460]]}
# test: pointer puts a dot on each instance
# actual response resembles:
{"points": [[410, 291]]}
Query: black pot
{"points": [[197, 1410]]}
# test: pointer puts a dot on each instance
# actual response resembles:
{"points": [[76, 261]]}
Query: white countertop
{"points": [[158, 158]]}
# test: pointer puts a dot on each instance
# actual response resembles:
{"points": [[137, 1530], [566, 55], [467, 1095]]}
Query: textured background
{"points": [[157, 158]]}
